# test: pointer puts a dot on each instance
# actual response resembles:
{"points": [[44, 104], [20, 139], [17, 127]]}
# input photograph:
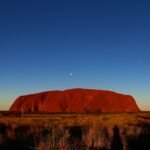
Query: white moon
{"points": [[71, 74]]}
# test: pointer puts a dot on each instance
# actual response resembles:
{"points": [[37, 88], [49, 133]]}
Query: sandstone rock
{"points": [[75, 101]]}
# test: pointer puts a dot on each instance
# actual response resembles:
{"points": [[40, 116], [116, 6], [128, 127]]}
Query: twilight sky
{"points": [[61, 44]]}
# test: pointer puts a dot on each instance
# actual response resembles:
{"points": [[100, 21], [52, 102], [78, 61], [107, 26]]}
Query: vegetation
{"points": [[126, 131]]}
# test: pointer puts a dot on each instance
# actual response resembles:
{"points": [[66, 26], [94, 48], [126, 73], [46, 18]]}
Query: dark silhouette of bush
{"points": [[117, 143], [141, 142]]}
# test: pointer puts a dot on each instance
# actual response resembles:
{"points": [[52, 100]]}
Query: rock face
{"points": [[75, 101]]}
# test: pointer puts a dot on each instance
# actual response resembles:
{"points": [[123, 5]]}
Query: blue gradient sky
{"points": [[104, 43]]}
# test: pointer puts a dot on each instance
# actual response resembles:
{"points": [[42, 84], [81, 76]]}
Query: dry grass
{"points": [[78, 119], [74, 131]]}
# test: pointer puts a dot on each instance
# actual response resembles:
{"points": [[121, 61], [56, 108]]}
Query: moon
{"points": [[71, 74]]}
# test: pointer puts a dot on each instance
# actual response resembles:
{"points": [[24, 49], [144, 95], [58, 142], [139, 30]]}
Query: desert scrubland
{"points": [[108, 131]]}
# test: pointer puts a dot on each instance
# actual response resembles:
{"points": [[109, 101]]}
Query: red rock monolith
{"points": [[75, 101]]}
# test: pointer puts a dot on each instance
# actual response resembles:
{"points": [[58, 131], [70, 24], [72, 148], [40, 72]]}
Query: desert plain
{"points": [[56, 131]]}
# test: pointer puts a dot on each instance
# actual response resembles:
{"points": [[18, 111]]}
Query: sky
{"points": [[61, 44]]}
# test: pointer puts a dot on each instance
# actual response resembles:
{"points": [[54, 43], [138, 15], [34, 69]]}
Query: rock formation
{"points": [[75, 101]]}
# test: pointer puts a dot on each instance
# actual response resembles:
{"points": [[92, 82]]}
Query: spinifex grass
{"points": [[75, 131]]}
